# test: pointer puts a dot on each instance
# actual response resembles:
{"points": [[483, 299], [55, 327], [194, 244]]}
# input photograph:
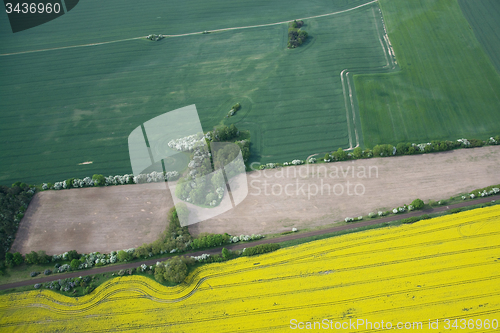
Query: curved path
{"points": [[238, 246], [192, 33]]}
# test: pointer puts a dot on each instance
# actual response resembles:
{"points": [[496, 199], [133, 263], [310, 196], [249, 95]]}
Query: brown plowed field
{"points": [[117, 217]]}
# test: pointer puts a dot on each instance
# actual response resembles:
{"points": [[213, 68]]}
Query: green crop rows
{"points": [[65, 107], [447, 87], [484, 18]]}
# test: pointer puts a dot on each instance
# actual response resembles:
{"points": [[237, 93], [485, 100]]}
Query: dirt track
{"points": [[117, 217], [239, 246]]}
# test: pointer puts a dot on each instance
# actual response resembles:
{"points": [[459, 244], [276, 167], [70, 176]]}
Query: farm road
{"points": [[239, 246]]}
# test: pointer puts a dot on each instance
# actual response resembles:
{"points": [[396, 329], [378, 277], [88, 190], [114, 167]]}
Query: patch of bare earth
{"points": [[100, 219], [117, 217]]}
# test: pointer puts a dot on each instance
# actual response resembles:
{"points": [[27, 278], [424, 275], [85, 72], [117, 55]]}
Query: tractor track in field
{"points": [[108, 269], [191, 33]]}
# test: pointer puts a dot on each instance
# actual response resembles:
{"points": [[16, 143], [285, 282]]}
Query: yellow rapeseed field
{"points": [[443, 272]]}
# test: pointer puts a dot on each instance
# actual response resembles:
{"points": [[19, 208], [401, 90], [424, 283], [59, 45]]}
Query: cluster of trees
{"points": [[174, 270], [233, 110], [296, 36], [13, 203], [174, 237], [224, 133], [205, 240]]}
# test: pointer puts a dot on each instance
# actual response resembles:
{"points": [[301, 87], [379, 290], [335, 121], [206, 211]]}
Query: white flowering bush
{"points": [[144, 267], [348, 219], [464, 197], [294, 229], [311, 160], [465, 142], [271, 165], [492, 141], [64, 268], [297, 162], [372, 215], [472, 196], [410, 208], [380, 213], [360, 218], [171, 175], [395, 210], [202, 257], [421, 146], [496, 190], [45, 186], [58, 185], [187, 143], [401, 209], [220, 192], [234, 239]]}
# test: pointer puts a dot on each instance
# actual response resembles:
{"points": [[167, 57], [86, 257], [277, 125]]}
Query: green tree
{"points": [[141, 251], [401, 149], [327, 156], [69, 183], [43, 258], [9, 260], [357, 152], [32, 258], [124, 256], [417, 204], [74, 264], [160, 273], [175, 270], [73, 255], [99, 180], [226, 254], [341, 154], [18, 259]]}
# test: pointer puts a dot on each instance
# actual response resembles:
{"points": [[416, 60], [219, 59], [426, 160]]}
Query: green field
{"points": [[447, 87], [64, 107], [484, 18]]}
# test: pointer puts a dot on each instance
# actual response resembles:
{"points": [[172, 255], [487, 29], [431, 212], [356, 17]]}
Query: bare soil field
{"points": [[117, 217]]}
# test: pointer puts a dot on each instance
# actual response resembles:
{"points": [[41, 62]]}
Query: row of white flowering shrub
{"points": [[245, 238], [99, 180], [390, 150]]}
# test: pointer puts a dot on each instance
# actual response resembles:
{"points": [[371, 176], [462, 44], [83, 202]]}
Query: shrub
{"points": [[33, 274], [417, 204], [412, 219], [47, 272], [175, 270], [260, 249], [38, 285], [372, 215], [99, 180], [74, 264], [455, 210]]}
